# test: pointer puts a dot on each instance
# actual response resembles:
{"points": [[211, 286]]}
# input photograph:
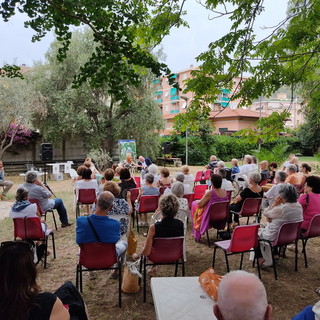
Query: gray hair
{"points": [[105, 200], [178, 189], [153, 169], [281, 176], [255, 177], [242, 295], [292, 167], [221, 163], [31, 176], [149, 177], [180, 176], [288, 193], [22, 194]]}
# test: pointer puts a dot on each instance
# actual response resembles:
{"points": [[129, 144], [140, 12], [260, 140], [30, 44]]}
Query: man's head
{"points": [[180, 177], [291, 169], [141, 158], [31, 176], [241, 295], [221, 164], [281, 176], [213, 158], [104, 202]]}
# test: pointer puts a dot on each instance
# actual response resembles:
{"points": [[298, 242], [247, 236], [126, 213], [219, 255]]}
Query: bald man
{"points": [[241, 296]]}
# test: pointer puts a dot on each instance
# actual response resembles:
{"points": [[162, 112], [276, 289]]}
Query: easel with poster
{"points": [[127, 150]]}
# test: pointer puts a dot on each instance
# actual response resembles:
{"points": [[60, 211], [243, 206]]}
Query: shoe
{"points": [[65, 225], [114, 274]]}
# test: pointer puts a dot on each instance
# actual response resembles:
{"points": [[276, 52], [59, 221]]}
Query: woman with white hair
{"points": [[253, 191], [178, 190], [153, 169]]}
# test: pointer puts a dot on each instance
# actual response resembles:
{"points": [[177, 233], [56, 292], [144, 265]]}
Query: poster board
{"points": [[127, 148]]}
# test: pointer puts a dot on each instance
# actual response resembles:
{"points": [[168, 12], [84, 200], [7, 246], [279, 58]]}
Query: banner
{"points": [[127, 148]]}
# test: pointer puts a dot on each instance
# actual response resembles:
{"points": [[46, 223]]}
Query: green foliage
{"points": [[10, 72], [278, 153], [101, 158]]}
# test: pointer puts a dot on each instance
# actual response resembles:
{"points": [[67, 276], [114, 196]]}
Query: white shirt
{"points": [[87, 184], [227, 185], [30, 211]]}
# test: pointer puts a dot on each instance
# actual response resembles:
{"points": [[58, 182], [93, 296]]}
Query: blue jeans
{"points": [[62, 212]]}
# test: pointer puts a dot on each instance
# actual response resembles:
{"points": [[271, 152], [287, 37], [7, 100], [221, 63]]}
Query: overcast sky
{"points": [[181, 46]]}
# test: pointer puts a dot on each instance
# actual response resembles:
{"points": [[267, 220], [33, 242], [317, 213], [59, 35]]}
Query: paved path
{"points": [[4, 209]]}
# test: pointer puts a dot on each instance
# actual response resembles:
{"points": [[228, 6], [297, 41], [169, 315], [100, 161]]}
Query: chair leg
{"points": [[120, 282], [54, 220], [144, 280], [214, 256], [227, 262], [176, 269], [304, 244], [80, 274], [45, 252], [274, 264], [241, 260], [256, 257], [140, 269], [296, 256], [77, 277], [53, 245], [183, 268], [208, 238], [248, 220], [137, 220], [77, 210]]}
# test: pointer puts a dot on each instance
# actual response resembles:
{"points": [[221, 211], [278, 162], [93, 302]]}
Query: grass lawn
{"points": [[287, 295]]}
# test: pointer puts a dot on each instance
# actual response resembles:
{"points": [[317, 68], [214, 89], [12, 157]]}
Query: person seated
{"points": [[153, 169], [293, 176], [295, 161], [285, 165], [188, 177], [116, 177], [220, 165], [80, 170], [242, 295], [272, 173], [107, 229], [199, 208], [126, 181], [305, 170], [40, 192], [143, 165], [226, 184], [89, 164], [128, 163], [108, 175], [165, 180], [254, 163], [180, 177], [7, 185], [235, 166], [247, 166], [120, 206], [309, 313], [20, 295], [146, 190], [168, 226], [213, 163], [264, 172], [253, 191], [310, 200], [273, 192], [178, 190]]}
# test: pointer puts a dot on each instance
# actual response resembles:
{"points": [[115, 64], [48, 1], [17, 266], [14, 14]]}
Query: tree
{"points": [[16, 104], [93, 114]]}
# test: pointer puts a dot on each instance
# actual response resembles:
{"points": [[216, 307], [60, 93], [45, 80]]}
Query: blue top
{"points": [[235, 170], [107, 229], [149, 191], [305, 314]]}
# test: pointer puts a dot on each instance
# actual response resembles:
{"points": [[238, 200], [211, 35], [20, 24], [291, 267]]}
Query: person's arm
{"points": [[59, 312], [129, 203], [205, 199], [148, 243], [46, 193], [303, 200]]}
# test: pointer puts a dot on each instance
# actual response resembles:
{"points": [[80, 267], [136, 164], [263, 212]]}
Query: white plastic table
{"points": [[181, 298], [56, 167]]}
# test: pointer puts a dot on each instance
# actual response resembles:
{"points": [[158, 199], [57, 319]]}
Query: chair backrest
{"points": [[73, 174], [263, 182], [166, 250], [219, 211], [250, 207], [148, 204], [161, 190], [137, 181], [198, 176], [199, 191], [189, 197], [244, 238], [124, 221], [134, 194], [207, 175], [314, 227], [288, 233], [97, 255], [37, 202], [28, 228], [87, 196], [229, 194]]}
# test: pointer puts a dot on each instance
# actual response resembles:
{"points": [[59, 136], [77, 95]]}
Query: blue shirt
{"points": [[305, 314], [107, 229]]}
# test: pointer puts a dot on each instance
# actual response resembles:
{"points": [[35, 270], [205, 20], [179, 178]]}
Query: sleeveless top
{"points": [[168, 227], [43, 304]]}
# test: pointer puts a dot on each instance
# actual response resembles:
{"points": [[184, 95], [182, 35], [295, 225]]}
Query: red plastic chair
{"points": [[263, 182], [161, 190], [198, 177], [312, 232], [137, 181], [288, 233], [243, 239], [199, 191], [44, 213], [250, 207], [219, 212], [85, 196], [207, 175], [164, 251], [98, 256], [31, 228], [190, 199], [147, 204]]}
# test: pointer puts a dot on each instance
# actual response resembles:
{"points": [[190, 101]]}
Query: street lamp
{"points": [[186, 99]]}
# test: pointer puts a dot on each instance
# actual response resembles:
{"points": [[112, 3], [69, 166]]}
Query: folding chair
{"points": [[137, 180], [263, 182], [44, 213], [189, 197], [199, 191], [162, 189], [207, 175], [250, 207], [165, 251], [85, 196], [147, 204], [98, 256], [218, 216], [288, 233], [312, 232], [31, 228], [244, 239], [198, 177]]}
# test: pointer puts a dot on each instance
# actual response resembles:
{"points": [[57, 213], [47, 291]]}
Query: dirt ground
{"points": [[287, 295]]}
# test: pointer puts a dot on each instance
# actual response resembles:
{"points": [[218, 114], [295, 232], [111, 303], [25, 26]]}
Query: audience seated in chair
{"points": [[293, 176], [273, 192], [242, 295]]}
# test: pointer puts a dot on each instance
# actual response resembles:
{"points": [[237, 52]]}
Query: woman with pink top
{"points": [[310, 200]]}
